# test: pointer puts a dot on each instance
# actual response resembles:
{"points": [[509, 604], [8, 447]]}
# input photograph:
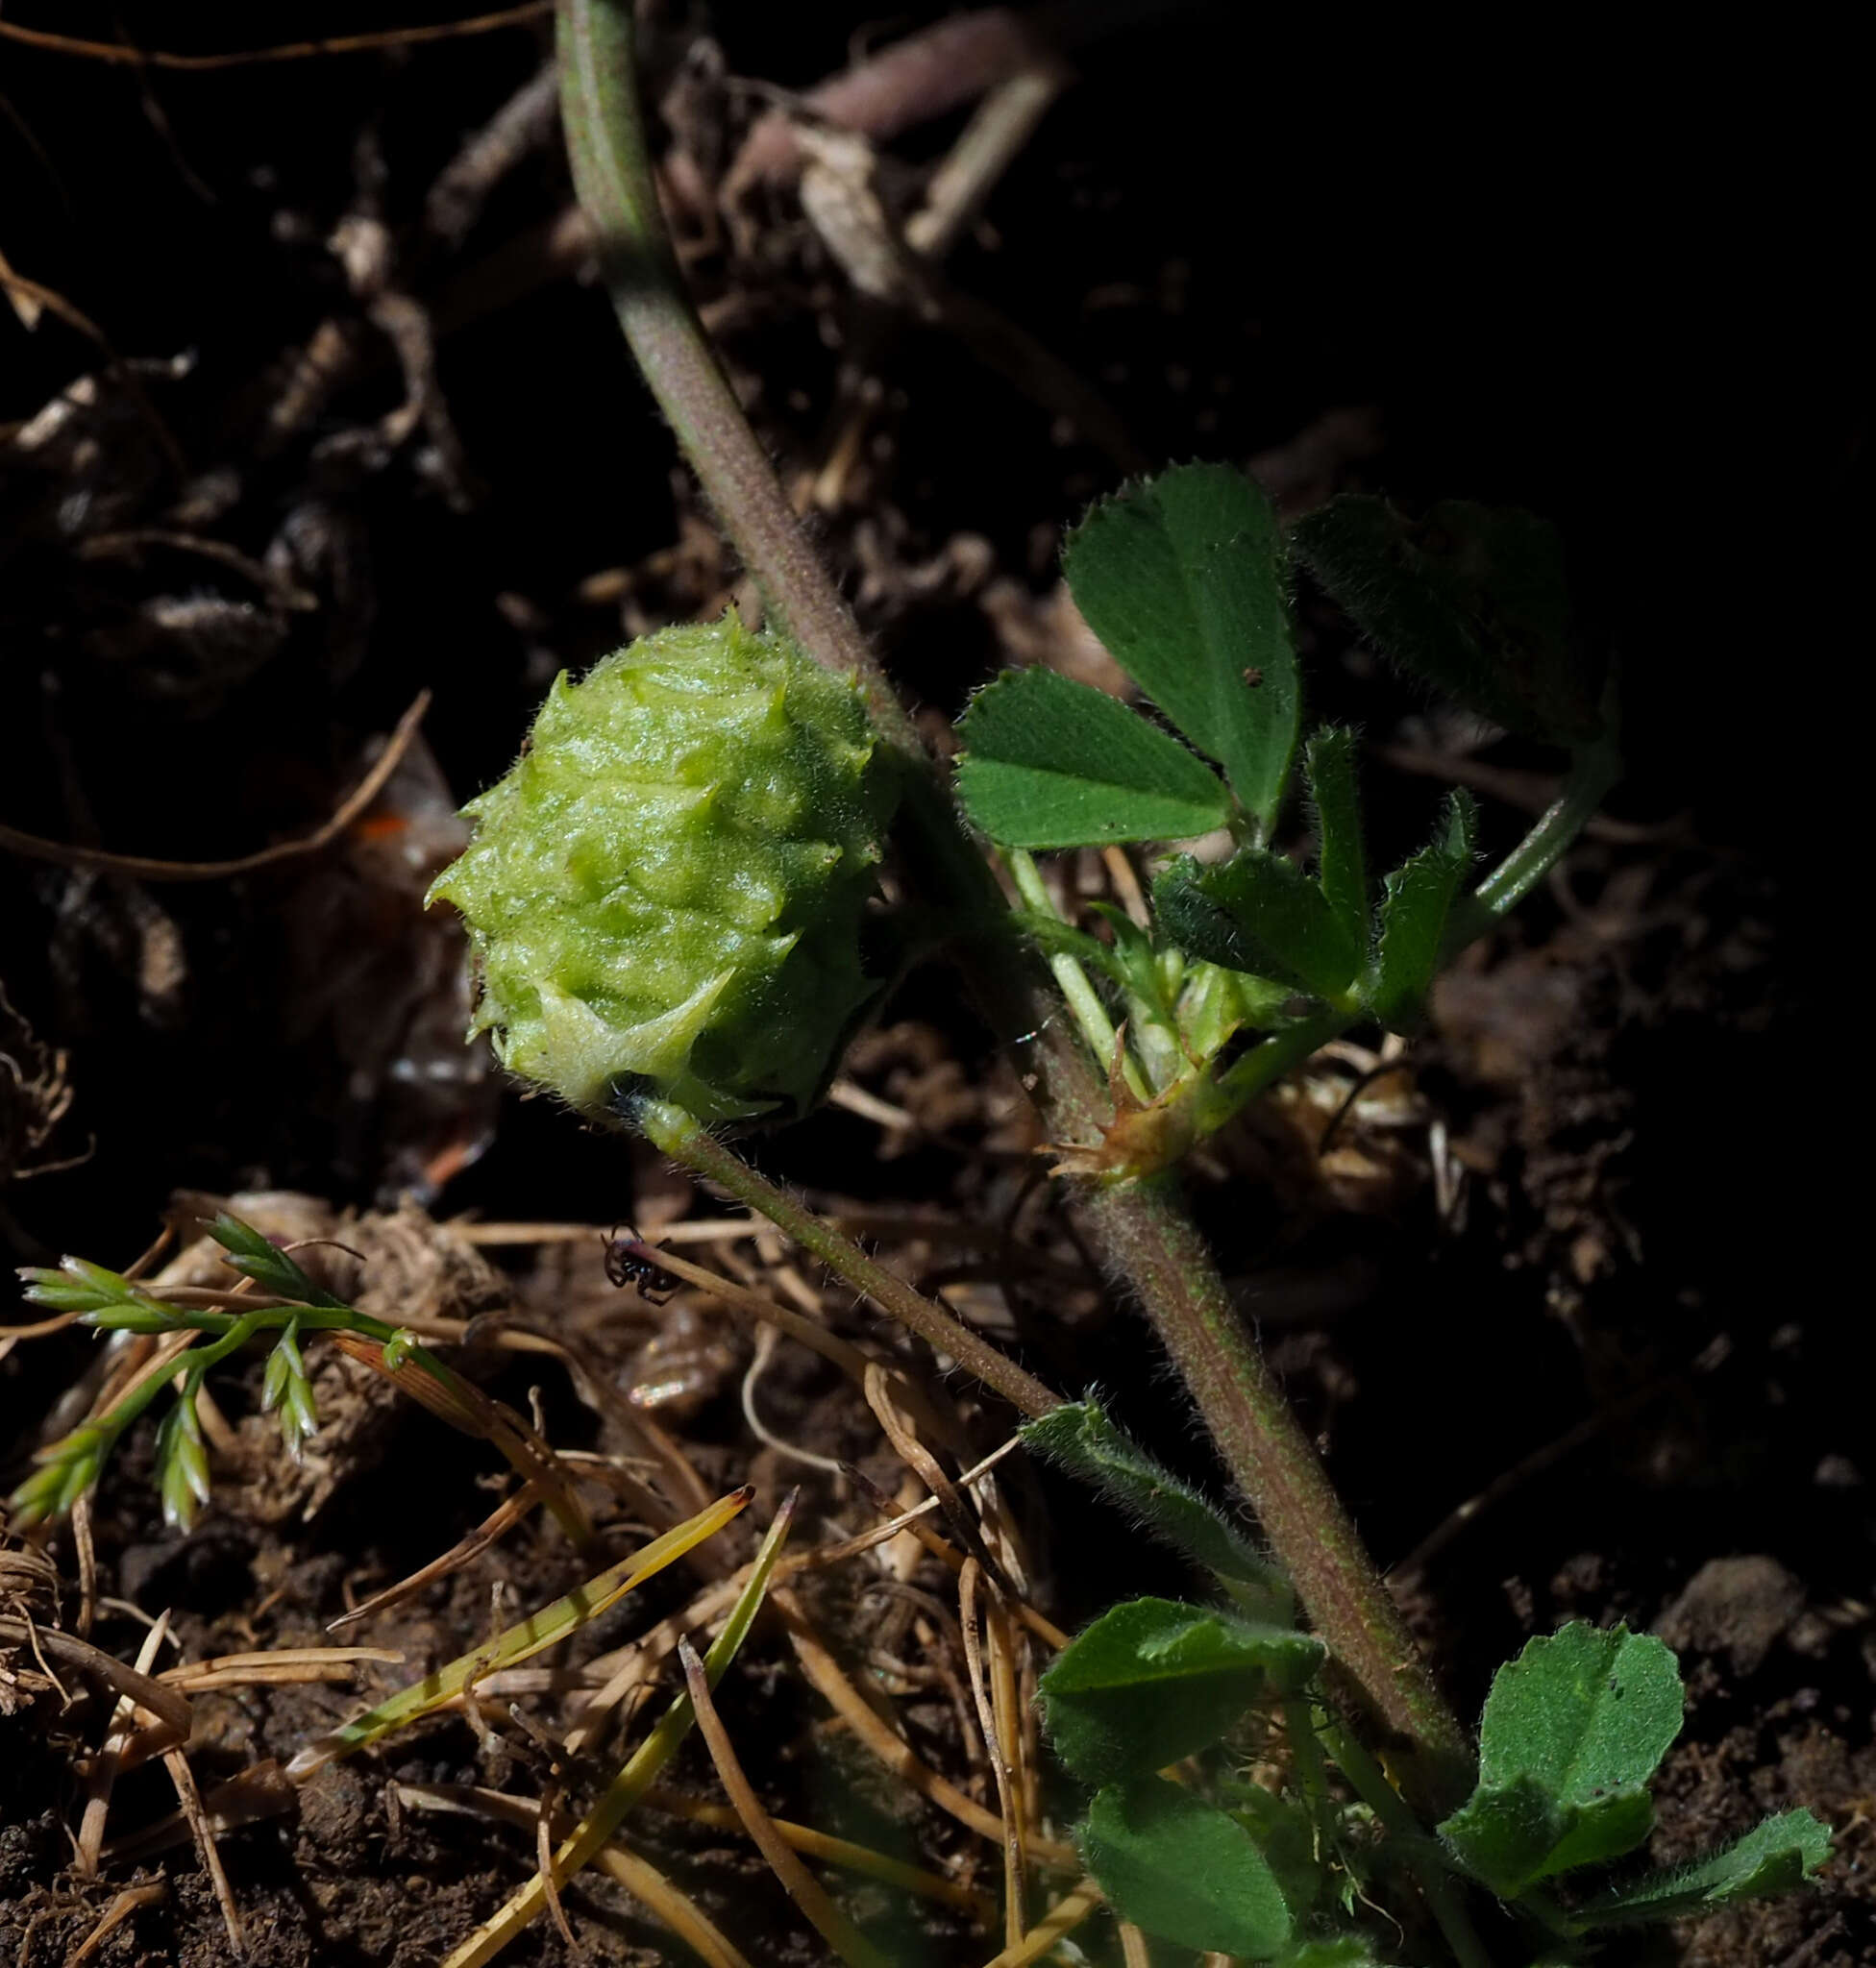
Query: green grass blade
{"points": [[539, 1630], [641, 1771]]}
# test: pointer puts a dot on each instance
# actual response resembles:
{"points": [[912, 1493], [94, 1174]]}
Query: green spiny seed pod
{"points": [[666, 890]]}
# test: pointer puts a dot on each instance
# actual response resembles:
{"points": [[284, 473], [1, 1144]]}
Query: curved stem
{"points": [[612, 175], [685, 1139], [1442, 1896], [1140, 1228], [1147, 1233], [1083, 1000], [1594, 770]]}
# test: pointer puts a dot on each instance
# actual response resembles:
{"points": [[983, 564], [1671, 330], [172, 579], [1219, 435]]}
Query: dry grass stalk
{"points": [[177, 1762], [1044, 1628], [920, 1460], [1063, 1918], [970, 1581], [648, 1885], [801, 1886], [545, 1628], [259, 1791], [87, 1565], [465, 1407], [103, 1776], [277, 1667], [832, 1850], [499, 1521], [660, 1898], [642, 1769], [830, 1680], [165, 1706], [688, 1492], [114, 1915]]}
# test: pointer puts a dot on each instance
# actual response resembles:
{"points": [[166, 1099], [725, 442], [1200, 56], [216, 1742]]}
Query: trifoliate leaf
{"points": [[1472, 599], [1183, 578], [1572, 1730]]}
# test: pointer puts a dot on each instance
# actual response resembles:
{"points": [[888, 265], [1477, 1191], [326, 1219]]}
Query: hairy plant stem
{"points": [[1149, 1237], [1083, 1000], [1141, 1228], [1444, 1897], [682, 1136], [1594, 770]]}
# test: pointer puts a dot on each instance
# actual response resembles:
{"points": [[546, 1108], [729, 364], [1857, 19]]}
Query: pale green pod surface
{"points": [[666, 890]]}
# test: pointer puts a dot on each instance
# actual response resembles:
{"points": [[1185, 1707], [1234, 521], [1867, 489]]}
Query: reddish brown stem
{"points": [[1141, 1228]]}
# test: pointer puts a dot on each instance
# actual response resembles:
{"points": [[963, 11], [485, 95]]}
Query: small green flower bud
{"points": [[279, 1373], [284, 1388], [666, 890], [183, 1460], [64, 1473]]}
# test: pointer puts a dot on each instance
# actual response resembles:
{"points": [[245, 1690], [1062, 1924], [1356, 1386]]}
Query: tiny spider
{"points": [[626, 1263]]}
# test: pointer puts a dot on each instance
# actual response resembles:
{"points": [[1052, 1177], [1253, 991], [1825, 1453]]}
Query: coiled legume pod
{"points": [[665, 893]]}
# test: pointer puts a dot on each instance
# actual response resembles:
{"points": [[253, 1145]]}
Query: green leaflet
{"points": [[1572, 1730], [1341, 865], [1470, 600], [1772, 1858], [1153, 1681], [1079, 1437], [1184, 1870], [1184, 579], [1414, 913], [1259, 911], [1051, 763]]}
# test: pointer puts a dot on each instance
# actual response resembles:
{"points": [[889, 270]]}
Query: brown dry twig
{"points": [[19, 288], [641, 1879], [146, 868], [121, 1910], [177, 1762], [916, 79], [826, 1676], [509, 1511], [122, 54], [803, 1887], [169, 1707], [103, 1776], [993, 1718]]}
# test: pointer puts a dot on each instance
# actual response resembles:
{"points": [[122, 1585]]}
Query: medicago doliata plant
{"points": [[666, 898]]}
